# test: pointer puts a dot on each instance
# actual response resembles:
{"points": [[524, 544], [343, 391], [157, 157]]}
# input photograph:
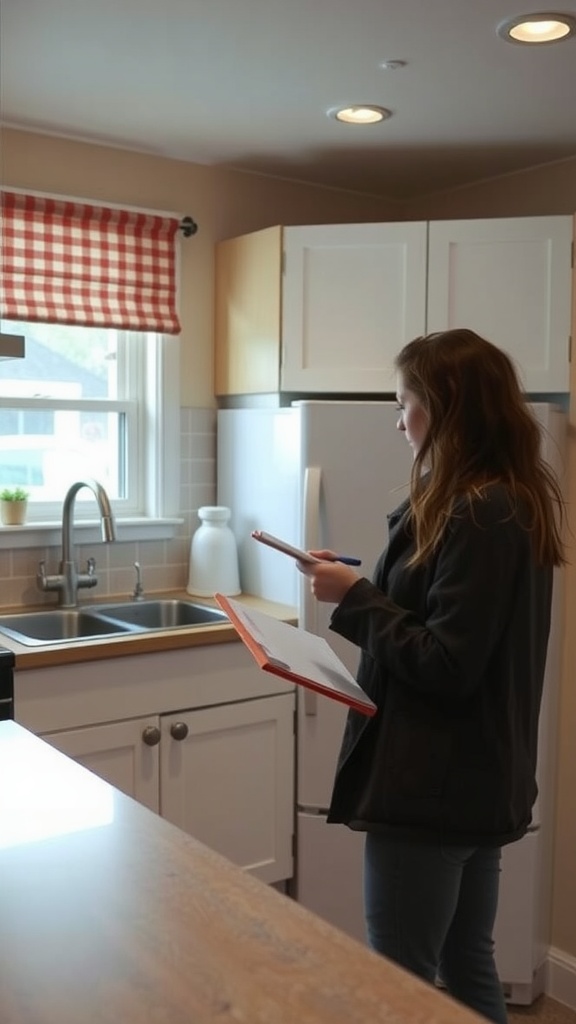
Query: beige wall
{"points": [[541, 191], [227, 203]]}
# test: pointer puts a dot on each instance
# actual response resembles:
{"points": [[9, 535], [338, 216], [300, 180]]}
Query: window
{"points": [[92, 402], [95, 395]]}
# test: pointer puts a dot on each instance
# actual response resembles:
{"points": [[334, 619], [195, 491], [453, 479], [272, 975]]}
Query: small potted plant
{"points": [[13, 506]]}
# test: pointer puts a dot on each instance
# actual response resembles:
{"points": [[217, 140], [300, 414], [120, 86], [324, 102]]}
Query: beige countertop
{"points": [[110, 914], [76, 651]]}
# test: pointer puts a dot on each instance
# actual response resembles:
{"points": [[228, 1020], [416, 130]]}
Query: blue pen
{"points": [[346, 560]]}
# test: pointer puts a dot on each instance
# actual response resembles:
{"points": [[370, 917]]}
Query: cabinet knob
{"points": [[179, 730], [151, 735]]}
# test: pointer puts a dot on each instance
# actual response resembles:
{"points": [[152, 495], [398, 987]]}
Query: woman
{"points": [[453, 633]]}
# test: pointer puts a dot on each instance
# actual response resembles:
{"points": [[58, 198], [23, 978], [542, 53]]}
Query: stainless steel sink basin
{"points": [[163, 614], [61, 625], [58, 625]]}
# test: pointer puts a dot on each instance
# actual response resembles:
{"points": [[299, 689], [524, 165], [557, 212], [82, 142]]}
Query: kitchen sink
{"points": [[61, 625], [58, 625], [163, 614]]}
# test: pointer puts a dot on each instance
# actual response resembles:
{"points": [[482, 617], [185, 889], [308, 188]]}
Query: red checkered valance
{"points": [[69, 263]]}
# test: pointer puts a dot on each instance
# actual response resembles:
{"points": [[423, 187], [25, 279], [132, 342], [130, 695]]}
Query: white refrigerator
{"points": [[326, 474]]}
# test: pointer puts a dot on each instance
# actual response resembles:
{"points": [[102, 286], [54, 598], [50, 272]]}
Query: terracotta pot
{"points": [[13, 513]]}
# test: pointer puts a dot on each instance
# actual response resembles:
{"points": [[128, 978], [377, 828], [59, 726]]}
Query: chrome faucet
{"points": [[69, 580]]}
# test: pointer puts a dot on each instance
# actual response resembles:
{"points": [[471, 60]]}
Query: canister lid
{"points": [[214, 513]]}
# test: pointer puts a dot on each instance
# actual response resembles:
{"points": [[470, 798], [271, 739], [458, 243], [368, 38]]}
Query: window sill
{"points": [[33, 535]]}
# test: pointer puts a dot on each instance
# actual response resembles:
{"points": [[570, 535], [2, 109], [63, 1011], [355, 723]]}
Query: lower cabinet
{"points": [[224, 778], [224, 773], [117, 752]]}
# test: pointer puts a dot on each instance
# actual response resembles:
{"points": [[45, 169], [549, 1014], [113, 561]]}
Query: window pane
{"points": [[9, 421], [90, 402], [47, 449], [80, 444], [38, 421], [61, 362]]}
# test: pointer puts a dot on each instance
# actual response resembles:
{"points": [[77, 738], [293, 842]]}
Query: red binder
{"points": [[295, 654]]}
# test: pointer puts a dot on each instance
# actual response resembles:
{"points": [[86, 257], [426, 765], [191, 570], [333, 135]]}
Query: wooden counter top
{"points": [[109, 915], [77, 651]]}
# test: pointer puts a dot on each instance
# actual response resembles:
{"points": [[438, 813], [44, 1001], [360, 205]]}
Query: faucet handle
{"points": [[44, 582]]}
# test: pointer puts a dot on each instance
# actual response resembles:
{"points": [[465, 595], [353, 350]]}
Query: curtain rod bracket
{"points": [[188, 227]]}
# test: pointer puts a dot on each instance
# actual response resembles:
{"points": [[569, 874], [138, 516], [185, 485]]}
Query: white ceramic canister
{"points": [[213, 555]]}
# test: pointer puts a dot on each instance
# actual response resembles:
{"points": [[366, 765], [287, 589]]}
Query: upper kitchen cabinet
{"points": [[318, 309], [325, 309], [247, 313], [508, 279]]}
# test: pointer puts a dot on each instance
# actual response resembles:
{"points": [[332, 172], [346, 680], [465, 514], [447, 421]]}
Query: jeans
{"points": [[431, 909]]}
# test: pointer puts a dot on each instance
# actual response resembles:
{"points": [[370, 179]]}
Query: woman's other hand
{"points": [[329, 579]]}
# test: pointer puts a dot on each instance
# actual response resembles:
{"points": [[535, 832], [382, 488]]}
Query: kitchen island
{"points": [[111, 914]]}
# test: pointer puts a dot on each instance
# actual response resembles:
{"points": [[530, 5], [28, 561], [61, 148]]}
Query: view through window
{"points": [[74, 407]]}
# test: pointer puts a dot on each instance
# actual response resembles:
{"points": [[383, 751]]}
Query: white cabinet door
{"points": [[119, 753], [227, 777], [508, 279], [353, 294]]}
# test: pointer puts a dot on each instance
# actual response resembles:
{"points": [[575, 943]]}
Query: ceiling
{"points": [[247, 84]]}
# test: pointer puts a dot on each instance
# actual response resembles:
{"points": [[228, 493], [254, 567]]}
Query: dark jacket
{"points": [[453, 653]]}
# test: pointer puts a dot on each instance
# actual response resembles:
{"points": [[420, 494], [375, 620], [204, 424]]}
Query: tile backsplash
{"points": [[164, 563]]}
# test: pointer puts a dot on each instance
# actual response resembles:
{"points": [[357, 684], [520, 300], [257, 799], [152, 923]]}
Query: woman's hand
{"points": [[329, 579]]}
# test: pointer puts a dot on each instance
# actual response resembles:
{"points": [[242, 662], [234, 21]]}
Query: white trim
{"points": [[163, 498], [34, 535], [561, 977]]}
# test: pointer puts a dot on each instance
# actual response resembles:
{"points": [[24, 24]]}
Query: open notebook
{"points": [[295, 654]]}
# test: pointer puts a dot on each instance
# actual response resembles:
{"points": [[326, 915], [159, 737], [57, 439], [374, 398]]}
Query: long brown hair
{"points": [[480, 431]]}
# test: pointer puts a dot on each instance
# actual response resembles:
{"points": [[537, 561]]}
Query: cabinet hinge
{"points": [[570, 349], [294, 846], [572, 255]]}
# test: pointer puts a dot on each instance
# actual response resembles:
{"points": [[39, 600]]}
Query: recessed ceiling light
{"points": [[362, 113], [547, 27]]}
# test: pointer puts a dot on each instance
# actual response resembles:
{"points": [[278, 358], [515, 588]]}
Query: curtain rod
{"points": [[188, 227]]}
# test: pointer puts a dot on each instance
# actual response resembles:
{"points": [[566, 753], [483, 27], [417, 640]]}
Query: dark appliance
{"points": [[6, 684]]}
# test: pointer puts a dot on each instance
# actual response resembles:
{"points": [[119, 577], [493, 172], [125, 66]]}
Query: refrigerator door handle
{"points": [[311, 540]]}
